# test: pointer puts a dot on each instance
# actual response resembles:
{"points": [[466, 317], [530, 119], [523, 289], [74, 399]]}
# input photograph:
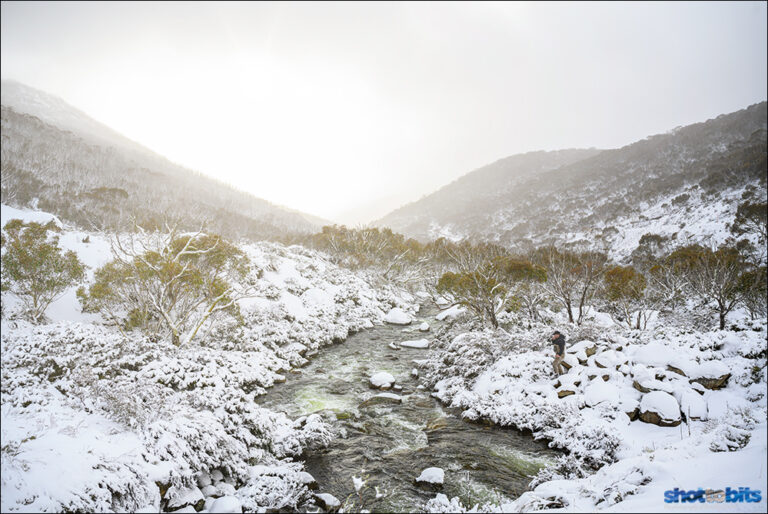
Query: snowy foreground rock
{"points": [[99, 421], [660, 408]]}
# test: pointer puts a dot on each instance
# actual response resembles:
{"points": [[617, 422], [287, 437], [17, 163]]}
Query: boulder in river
{"points": [[382, 399], [418, 343], [398, 316], [432, 478], [382, 380]]}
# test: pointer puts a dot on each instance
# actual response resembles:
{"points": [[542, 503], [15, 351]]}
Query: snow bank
{"points": [[93, 419]]}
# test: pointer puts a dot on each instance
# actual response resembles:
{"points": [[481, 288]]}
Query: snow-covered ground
{"points": [[709, 386], [96, 421]]}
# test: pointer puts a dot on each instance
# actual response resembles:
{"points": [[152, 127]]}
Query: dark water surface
{"points": [[388, 445]]}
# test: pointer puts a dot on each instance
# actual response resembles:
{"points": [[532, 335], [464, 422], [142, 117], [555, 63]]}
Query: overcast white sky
{"points": [[350, 110]]}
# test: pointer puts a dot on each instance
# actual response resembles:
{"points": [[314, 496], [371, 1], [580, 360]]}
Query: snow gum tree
{"points": [[490, 287], [752, 218], [170, 283], [625, 289], [34, 267], [572, 277], [714, 276]]}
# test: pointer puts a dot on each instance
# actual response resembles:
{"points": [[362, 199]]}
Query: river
{"points": [[389, 445]]}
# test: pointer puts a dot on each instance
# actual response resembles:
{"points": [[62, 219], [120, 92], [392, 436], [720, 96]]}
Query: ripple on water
{"points": [[312, 399], [520, 461]]}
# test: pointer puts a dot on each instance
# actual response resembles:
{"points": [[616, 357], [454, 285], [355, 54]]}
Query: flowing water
{"points": [[388, 445]]}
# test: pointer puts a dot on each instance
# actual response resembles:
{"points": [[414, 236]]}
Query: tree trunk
{"points": [[570, 311], [722, 319]]}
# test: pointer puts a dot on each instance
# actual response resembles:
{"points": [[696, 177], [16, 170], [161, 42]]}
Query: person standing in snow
{"points": [[558, 342]]}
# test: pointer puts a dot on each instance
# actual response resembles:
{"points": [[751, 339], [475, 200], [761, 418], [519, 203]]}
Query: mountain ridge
{"points": [[76, 129], [581, 200]]}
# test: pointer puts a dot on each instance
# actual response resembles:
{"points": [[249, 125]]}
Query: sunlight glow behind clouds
{"points": [[349, 110]]}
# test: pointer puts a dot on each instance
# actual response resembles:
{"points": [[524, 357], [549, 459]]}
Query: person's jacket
{"points": [[559, 343]]}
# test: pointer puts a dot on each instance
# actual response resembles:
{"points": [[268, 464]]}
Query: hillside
{"points": [[684, 184], [57, 158]]}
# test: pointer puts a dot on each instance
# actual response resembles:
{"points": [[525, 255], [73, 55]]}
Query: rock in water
{"points": [[432, 477], [398, 316], [424, 327], [382, 398], [419, 343], [382, 380]]}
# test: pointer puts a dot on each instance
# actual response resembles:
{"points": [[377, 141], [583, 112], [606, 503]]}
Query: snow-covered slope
{"points": [[639, 412], [93, 420], [686, 183], [56, 112], [89, 174]]}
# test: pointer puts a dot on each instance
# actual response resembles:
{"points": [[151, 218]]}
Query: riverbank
{"points": [[639, 413], [386, 445]]}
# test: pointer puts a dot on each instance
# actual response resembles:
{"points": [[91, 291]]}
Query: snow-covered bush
{"points": [[732, 431]]}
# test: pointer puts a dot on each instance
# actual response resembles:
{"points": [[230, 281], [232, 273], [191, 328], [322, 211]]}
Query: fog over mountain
{"points": [[572, 317], [66, 162], [684, 184]]}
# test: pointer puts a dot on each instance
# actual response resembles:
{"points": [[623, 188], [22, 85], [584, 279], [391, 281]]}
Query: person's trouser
{"points": [[557, 364]]}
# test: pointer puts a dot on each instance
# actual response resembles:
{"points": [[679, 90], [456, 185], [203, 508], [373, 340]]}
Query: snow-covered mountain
{"points": [[58, 158], [684, 184]]}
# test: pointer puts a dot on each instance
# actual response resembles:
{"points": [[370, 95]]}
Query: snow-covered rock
{"points": [[711, 374], [610, 359], [225, 489], [599, 391], [418, 343], [179, 498], [451, 312], [398, 316], [382, 380], [227, 504], [432, 476], [660, 408], [424, 327], [327, 501], [382, 398], [203, 479]]}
